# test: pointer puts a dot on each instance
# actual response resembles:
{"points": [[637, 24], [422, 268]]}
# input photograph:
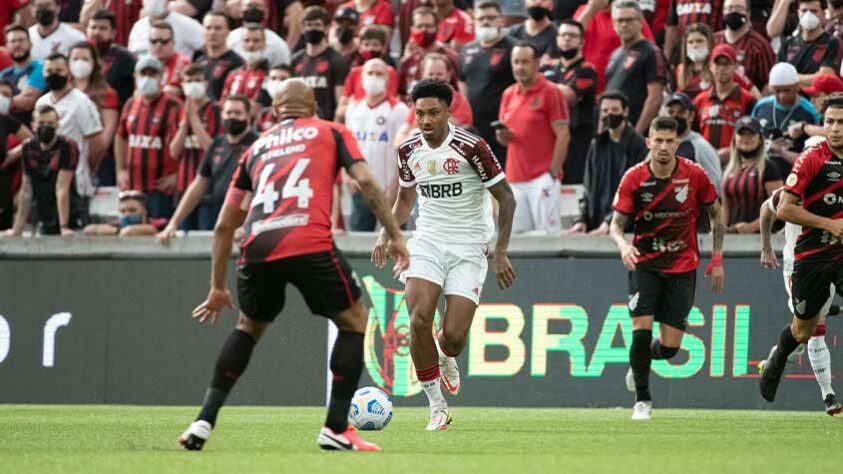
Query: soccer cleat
{"points": [[642, 411], [630, 380], [439, 420], [832, 406], [771, 375], [196, 435], [346, 441]]}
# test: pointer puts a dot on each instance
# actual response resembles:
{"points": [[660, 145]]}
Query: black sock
{"points": [[346, 365], [833, 310], [787, 344], [658, 351], [231, 363], [639, 361]]}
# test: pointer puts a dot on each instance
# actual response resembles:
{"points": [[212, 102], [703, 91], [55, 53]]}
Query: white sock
{"points": [[434, 394], [821, 363]]}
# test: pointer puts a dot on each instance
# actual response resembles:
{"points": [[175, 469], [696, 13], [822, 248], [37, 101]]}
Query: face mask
{"points": [[314, 36], [345, 34], [81, 68], [613, 120], [130, 219], [423, 38], [155, 7], [538, 13], [749, 154], [809, 21], [697, 54], [682, 124], [46, 134], [234, 127], [374, 85], [486, 33], [45, 16], [569, 53], [370, 54], [734, 21], [194, 90], [252, 56], [253, 15], [5, 103], [147, 86], [271, 87], [21, 58], [55, 82]]}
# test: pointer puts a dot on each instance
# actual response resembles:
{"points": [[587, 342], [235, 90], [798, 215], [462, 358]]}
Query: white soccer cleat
{"points": [[642, 411], [630, 380], [196, 435], [440, 418]]}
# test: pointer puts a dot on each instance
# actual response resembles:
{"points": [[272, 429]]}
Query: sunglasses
{"points": [[160, 41]]}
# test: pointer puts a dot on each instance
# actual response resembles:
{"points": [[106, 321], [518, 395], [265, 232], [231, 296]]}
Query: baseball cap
{"points": [[783, 74], [347, 13], [748, 123], [824, 84], [682, 99], [148, 61], [726, 50]]}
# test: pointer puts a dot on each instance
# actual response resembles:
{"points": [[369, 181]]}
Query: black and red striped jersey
{"points": [[664, 213], [291, 170], [193, 153]]}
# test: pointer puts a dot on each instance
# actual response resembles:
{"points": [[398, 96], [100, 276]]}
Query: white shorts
{"points": [[788, 281], [460, 269], [538, 205]]}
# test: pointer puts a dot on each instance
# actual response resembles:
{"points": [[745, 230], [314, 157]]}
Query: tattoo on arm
{"points": [[619, 221], [717, 228]]}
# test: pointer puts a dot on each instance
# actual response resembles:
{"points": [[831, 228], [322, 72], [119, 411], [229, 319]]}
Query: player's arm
{"points": [[767, 218], [24, 208], [629, 254], [715, 266], [504, 271], [791, 210]]}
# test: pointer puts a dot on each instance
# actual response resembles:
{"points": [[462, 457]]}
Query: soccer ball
{"points": [[371, 409]]}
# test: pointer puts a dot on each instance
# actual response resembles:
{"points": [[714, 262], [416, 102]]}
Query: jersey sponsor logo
{"points": [[659, 245], [367, 136], [438, 191], [316, 82], [692, 8], [145, 141], [282, 222], [792, 179], [681, 193], [451, 166], [832, 199], [285, 136], [648, 216]]}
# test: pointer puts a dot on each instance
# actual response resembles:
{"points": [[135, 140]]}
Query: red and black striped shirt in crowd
{"points": [[717, 117], [755, 56], [744, 191], [244, 81], [817, 179], [148, 129], [127, 12], [809, 56], [265, 120], [687, 12], [210, 114], [664, 213]]}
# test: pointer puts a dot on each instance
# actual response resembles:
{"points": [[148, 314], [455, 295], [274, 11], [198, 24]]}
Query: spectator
{"points": [[373, 12], [637, 68], [834, 20], [281, 16], [694, 73], [455, 29], [187, 31], [421, 43], [578, 81], [162, 46], [615, 149], [147, 124], [49, 35], [218, 59], [15, 12], [720, 106], [11, 130], [536, 135], [486, 69], [812, 51], [321, 66], [692, 145], [684, 13], [823, 85], [265, 118], [126, 13], [783, 21], [79, 121], [49, 163], [276, 50], [248, 79], [749, 179], [26, 75], [373, 44], [755, 56], [134, 218], [343, 32], [118, 64], [538, 30], [206, 194], [778, 112], [375, 121], [196, 9], [199, 123], [87, 76]]}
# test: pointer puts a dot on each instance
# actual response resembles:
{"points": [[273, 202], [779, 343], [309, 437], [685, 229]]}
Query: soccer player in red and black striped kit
{"points": [[281, 194], [663, 197], [815, 181]]}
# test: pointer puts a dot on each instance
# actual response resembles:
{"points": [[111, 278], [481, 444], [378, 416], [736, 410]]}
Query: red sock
{"points": [[428, 374], [820, 330]]}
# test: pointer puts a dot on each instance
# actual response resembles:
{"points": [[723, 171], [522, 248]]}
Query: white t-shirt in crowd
{"points": [[59, 41], [276, 50], [78, 118], [375, 129], [187, 34]]}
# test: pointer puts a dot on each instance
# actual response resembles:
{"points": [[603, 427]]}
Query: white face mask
{"points": [[155, 7], [697, 54], [81, 68], [5, 103], [271, 87], [809, 21], [374, 85], [252, 56], [486, 33], [194, 90], [147, 86]]}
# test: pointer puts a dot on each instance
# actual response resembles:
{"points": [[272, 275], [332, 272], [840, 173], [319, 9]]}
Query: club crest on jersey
{"points": [[792, 179], [682, 193], [451, 166], [431, 166]]}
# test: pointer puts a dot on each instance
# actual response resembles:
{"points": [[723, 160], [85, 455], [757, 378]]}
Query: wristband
{"points": [[716, 261]]}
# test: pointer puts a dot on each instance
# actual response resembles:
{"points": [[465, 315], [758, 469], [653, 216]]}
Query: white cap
{"points": [[783, 74]]}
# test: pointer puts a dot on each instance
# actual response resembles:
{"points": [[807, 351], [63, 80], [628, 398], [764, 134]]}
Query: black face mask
{"points": [[55, 82], [253, 15], [46, 134], [345, 34], [569, 53], [234, 127], [45, 16], [613, 120], [734, 21], [682, 125], [538, 13], [749, 154], [314, 36]]}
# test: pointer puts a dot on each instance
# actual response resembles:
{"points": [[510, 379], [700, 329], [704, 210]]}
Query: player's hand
{"points": [[400, 255], [504, 271], [715, 269], [629, 255], [835, 227], [379, 252], [166, 235], [769, 259], [218, 299]]}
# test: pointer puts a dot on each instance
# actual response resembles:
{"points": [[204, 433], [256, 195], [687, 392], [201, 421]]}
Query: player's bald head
{"points": [[294, 98]]}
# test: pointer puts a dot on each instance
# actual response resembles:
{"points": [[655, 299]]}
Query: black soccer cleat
{"points": [[769, 381], [832, 406], [194, 438], [192, 443], [833, 310]]}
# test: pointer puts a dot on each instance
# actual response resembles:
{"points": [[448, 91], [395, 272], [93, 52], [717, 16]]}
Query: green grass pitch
{"points": [[129, 439]]}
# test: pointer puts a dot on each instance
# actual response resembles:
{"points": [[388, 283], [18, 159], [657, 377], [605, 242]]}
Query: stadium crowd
{"points": [[161, 97]]}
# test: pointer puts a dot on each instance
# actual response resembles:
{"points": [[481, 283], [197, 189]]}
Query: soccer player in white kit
{"points": [[818, 353], [452, 170]]}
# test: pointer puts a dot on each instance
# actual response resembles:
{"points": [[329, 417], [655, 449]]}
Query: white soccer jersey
{"points": [[375, 129], [451, 181]]}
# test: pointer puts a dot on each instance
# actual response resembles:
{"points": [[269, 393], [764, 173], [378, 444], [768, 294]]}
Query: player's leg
{"points": [[645, 290], [672, 314], [820, 359]]}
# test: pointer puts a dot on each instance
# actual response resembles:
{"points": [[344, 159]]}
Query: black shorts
{"points": [[809, 285], [668, 297], [325, 280]]}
